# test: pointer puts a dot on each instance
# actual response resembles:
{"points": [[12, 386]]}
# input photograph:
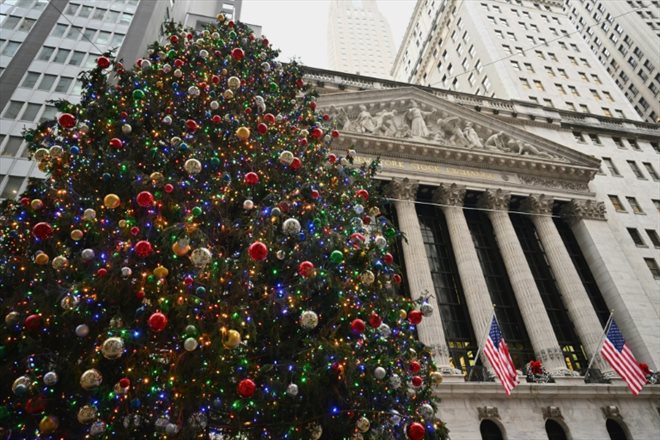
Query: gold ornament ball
{"points": [[228, 94], [156, 177], [363, 424], [243, 133], [76, 234], [91, 379], [111, 201], [436, 377], [40, 154], [60, 262], [161, 272], [49, 424], [37, 204], [112, 348], [231, 339], [41, 258], [403, 314], [180, 248], [368, 277], [87, 414], [234, 82], [43, 166], [221, 18]]}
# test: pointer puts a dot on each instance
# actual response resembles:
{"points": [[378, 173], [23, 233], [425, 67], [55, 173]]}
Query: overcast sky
{"points": [[299, 28]]}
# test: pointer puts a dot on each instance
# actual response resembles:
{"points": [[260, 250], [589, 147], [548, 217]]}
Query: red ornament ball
{"points": [[363, 194], [332, 158], [143, 248], [116, 143], [416, 431], [35, 405], [215, 79], [265, 42], [358, 326], [417, 381], [42, 230], [124, 382], [251, 178], [396, 278], [270, 118], [168, 188], [67, 120], [415, 317], [237, 54], [312, 105], [262, 128], [375, 321], [300, 83], [135, 230], [306, 269], [145, 199], [258, 251], [32, 323], [303, 142], [102, 272], [103, 62], [334, 133], [296, 163], [388, 258], [174, 39], [246, 388], [315, 194], [415, 367], [316, 133], [157, 322], [178, 62], [216, 119], [191, 125]]}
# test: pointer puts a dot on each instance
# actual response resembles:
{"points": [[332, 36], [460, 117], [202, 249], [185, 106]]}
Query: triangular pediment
{"points": [[410, 123]]}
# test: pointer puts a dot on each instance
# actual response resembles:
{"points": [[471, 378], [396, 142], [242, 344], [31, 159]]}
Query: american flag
{"points": [[498, 355], [616, 352]]}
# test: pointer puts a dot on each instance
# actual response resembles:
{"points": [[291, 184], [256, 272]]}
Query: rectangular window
{"points": [[12, 187], [30, 80], [99, 14], [61, 56], [74, 33], [634, 205], [12, 109], [49, 113], [512, 36], [596, 79], [571, 106], [11, 48], [573, 60], [47, 82], [585, 62], [636, 238], [562, 73], [548, 102], [515, 65], [539, 85], [651, 170], [608, 96], [63, 84], [540, 54], [595, 139], [45, 53], [618, 206], [30, 112], [619, 143], [85, 11], [595, 94], [12, 146], [610, 166], [10, 22], [117, 39], [103, 37], [573, 91], [606, 112], [529, 68], [635, 169], [633, 144], [59, 30], [578, 136], [525, 83], [584, 108], [653, 236], [26, 24], [76, 58], [549, 71]]}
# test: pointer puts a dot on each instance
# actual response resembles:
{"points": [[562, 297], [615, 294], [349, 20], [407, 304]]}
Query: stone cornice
{"points": [[577, 210]]}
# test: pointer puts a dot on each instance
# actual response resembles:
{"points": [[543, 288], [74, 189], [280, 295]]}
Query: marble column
{"points": [[532, 309], [430, 330], [477, 296], [574, 296], [634, 312]]}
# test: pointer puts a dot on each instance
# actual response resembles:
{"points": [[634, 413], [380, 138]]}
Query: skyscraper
{"points": [[45, 45], [624, 36], [359, 38]]}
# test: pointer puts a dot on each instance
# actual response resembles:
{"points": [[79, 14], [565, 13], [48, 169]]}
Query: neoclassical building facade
{"points": [[498, 219]]}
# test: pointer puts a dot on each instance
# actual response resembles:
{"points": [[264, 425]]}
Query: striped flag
{"points": [[616, 352], [498, 355]]}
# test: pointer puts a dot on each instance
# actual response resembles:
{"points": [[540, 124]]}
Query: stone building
{"points": [[501, 212]]}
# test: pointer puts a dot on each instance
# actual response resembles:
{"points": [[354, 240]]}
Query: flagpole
{"points": [[483, 339], [600, 344]]}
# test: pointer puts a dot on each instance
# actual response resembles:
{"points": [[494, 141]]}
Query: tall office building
{"points": [[624, 35], [359, 38], [44, 45]]}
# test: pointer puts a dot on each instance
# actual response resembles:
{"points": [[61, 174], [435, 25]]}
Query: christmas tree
{"points": [[199, 264]]}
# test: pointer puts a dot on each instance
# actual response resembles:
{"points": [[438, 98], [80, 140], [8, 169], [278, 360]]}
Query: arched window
{"points": [[490, 430], [615, 430], [554, 430]]}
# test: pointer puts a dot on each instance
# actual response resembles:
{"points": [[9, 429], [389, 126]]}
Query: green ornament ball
{"points": [[336, 256], [191, 330], [197, 211], [138, 94], [390, 232]]}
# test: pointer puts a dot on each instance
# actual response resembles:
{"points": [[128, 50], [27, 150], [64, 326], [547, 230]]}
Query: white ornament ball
{"points": [[50, 378], [204, 53], [87, 414], [309, 319], [368, 277], [87, 254], [171, 428], [21, 385], [97, 428], [286, 157], [265, 66], [91, 379], [167, 120], [215, 35], [59, 262], [291, 226], [190, 344], [363, 424], [178, 73], [280, 255], [112, 348], [380, 373], [315, 431], [380, 241], [292, 389], [426, 309], [126, 271], [146, 65], [193, 91], [201, 257], [193, 166], [352, 152], [89, 214], [82, 330], [248, 204], [56, 151], [357, 436], [167, 68], [425, 410], [395, 381], [359, 209], [385, 330], [214, 105], [395, 418], [126, 129]]}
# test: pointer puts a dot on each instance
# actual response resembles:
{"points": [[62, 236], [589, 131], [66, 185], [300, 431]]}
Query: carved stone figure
{"points": [[496, 141], [452, 131], [516, 146], [364, 123], [340, 118], [417, 124], [473, 139], [388, 125]]}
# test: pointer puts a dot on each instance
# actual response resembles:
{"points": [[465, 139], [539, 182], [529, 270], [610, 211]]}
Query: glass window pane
{"points": [[117, 39], [103, 38], [30, 112], [49, 113], [11, 188], [76, 58], [72, 8], [11, 48], [47, 82], [99, 14], [46, 53], [88, 34], [111, 17], [12, 109], [61, 55], [63, 84], [30, 80], [10, 22], [126, 18], [74, 33], [12, 146], [59, 30], [26, 25], [85, 11]]}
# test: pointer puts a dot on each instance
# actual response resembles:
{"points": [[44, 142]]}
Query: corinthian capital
{"points": [[495, 199], [538, 204], [403, 189], [577, 210], [452, 195]]}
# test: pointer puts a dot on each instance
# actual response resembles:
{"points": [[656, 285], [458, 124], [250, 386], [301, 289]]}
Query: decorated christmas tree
{"points": [[199, 264]]}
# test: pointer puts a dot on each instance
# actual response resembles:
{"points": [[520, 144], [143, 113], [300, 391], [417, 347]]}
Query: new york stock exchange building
{"points": [[504, 209]]}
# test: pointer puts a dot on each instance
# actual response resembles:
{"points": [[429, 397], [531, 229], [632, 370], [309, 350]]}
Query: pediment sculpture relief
{"points": [[414, 122]]}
